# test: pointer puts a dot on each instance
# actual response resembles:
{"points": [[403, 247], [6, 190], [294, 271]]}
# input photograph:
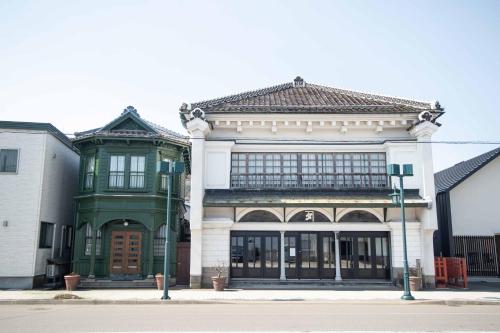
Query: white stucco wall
{"points": [[42, 190], [20, 204], [413, 244], [474, 202]]}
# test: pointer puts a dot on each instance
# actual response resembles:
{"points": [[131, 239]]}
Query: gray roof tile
{"points": [[447, 179], [299, 96]]}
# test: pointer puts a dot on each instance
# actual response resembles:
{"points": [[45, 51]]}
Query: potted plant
{"points": [[415, 279], [219, 281], [72, 280], [159, 281]]}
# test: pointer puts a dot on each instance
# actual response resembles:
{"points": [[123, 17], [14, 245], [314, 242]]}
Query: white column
{"points": [[428, 216], [282, 257], [338, 276], [198, 129]]}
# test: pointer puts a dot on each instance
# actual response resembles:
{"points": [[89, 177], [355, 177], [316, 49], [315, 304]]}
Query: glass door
{"points": [[255, 254], [365, 255], [271, 256], [309, 258], [328, 256]]}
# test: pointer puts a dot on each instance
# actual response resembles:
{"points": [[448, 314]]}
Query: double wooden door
{"points": [[125, 252]]}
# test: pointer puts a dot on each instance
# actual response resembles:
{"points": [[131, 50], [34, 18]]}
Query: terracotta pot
{"points": [[218, 282], [159, 281], [72, 282], [415, 283]]}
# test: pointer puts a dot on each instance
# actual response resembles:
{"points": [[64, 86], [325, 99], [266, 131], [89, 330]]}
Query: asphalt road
{"points": [[275, 316]]}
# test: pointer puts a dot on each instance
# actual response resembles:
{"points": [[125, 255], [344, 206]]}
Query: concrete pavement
{"points": [[236, 295]]}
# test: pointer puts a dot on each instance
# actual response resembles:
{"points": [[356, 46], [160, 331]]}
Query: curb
{"points": [[241, 301]]}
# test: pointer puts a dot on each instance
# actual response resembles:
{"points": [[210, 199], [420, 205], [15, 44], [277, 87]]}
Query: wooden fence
{"points": [[479, 252]]}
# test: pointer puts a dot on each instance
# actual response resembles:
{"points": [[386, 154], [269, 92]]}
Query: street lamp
{"points": [[170, 169], [393, 170]]}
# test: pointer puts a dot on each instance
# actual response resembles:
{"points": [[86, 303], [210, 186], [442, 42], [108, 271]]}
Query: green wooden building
{"points": [[122, 199]]}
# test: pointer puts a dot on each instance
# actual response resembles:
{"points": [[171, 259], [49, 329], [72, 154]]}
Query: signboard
{"points": [[292, 252]]}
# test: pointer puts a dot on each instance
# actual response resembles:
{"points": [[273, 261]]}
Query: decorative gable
{"points": [[130, 125]]}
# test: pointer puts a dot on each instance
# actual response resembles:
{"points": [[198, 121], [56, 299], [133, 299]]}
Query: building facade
{"points": [[122, 199], [289, 182], [38, 178], [469, 226]]}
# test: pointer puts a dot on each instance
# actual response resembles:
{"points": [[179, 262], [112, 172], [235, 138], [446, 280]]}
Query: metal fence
{"points": [[479, 253]]}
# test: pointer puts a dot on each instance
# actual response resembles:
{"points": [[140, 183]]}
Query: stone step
{"points": [[111, 284], [310, 284]]}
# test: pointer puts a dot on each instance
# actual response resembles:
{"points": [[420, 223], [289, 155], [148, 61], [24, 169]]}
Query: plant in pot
{"points": [[219, 281], [72, 280], [159, 281], [415, 279]]}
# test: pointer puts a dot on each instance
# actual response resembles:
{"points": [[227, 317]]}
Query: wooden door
{"points": [[126, 252], [183, 255]]}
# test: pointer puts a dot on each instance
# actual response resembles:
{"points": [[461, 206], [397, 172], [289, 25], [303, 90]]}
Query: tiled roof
{"points": [[299, 96], [447, 179], [155, 132]]}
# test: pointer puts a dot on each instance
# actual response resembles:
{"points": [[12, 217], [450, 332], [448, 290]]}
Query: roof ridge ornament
{"points": [[298, 82], [132, 110], [197, 113]]}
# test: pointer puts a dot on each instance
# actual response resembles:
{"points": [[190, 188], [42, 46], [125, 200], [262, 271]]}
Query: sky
{"points": [[78, 64]]}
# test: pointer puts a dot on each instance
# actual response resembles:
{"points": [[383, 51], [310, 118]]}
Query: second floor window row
{"points": [[308, 170]]}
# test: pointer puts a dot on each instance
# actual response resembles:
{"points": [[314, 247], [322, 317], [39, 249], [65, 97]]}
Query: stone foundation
{"points": [[208, 272], [195, 282]]}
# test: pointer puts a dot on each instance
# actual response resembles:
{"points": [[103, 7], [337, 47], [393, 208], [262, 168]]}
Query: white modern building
{"points": [[467, 195], [38, 179], [289, 182]]}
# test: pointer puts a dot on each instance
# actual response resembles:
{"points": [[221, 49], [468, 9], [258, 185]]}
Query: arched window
{"points": [[88, 241], [309, 216], [159, 241], [359, 216], [259, 216]]}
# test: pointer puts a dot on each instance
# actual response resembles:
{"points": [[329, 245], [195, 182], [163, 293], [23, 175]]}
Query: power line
{"points": [[302, 140]]}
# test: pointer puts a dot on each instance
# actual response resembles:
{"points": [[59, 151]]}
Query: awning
{"points": [[308, 198]]}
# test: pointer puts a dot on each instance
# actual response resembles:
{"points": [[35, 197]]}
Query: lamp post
{"points": [[393, 170], [168, 168]]}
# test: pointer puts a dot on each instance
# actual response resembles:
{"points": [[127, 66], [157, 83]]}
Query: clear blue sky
{"points": [[78, 64]]}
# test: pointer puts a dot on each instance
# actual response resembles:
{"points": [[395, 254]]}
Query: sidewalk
{"points": [[147, 296]]}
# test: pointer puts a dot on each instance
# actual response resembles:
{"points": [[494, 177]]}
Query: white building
{"points": [[469, 225], [38, 179], [289, 182]]}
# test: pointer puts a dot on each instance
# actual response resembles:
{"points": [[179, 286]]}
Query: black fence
{"points": [[479, 252]]}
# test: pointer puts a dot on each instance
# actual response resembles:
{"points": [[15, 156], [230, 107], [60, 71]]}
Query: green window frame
{"points": [[159, 241], [9, 160], [137, 172], [89, 172], [88, 241], [116, 171]]}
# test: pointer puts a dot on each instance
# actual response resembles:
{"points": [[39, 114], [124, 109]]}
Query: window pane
{"points": [[8, 160]]}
